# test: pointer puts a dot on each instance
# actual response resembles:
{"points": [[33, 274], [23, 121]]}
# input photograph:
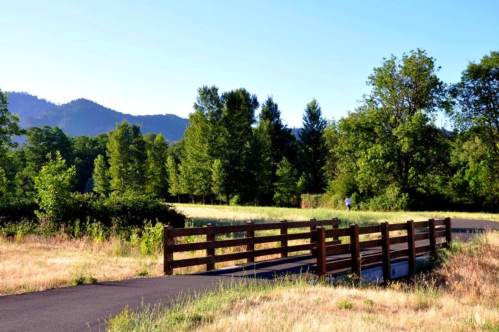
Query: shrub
{"points": [[17, 210]]}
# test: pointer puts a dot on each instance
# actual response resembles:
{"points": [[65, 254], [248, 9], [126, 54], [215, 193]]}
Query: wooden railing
{"points": [[173, 242], [416, 231]]}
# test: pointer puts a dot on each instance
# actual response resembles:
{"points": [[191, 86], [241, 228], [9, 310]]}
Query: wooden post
{"points": [[354, 249], [411, 245], [284, 243], [433, 239], [168, 243], [336, 238], [250, 233], [321, 251], [312, 234], [448, 231], [210, 237], [385, 251]]}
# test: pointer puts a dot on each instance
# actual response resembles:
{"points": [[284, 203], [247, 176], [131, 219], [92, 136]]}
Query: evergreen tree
{"points": [[286, 192], [102, 184], [281, 141], [313, 150]]}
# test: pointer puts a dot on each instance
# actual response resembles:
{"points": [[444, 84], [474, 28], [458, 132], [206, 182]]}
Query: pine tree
{"points": [[313, 150]]}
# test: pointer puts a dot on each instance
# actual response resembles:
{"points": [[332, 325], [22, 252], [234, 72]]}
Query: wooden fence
{"points": [[173, 242], [416, 231]]}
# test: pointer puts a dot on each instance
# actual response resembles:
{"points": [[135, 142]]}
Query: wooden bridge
{"points": [[334, 250]]}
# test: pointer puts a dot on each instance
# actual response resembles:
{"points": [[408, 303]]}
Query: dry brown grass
{"points": [[323, 308], [473, 274], [37, 263]]}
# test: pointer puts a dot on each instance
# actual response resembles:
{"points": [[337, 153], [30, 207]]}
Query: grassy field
{"points": [[203, 214], [34, 263], [461, 295]]}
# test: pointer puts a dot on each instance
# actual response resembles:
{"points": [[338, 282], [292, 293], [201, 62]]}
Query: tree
{"points": [[196, 159], [286, 192], [237, 117], [173, 178], [391, 143], [477, 118], [85, 151], [278, 141], [157, 175], [8, 129], [127, 155], [313, 150], [44, 141], [102, 184], [219, 180], [53, 185]]}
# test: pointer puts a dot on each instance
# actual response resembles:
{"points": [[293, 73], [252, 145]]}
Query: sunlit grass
{"points": [[203, 214]]}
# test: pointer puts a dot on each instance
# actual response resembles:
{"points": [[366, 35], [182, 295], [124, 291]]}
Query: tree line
{"points": [[388, 154]]}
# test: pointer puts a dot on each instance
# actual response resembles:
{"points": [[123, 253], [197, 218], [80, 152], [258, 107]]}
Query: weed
{"points": [[345, 305]]}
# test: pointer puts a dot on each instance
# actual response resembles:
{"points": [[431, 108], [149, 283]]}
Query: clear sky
{"points": [[150, 57]]}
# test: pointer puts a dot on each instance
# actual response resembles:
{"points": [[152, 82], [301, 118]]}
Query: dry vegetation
{"points": [[36, 263], [462, 295]]}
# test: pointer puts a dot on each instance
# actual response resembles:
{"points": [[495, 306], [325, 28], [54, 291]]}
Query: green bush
{"points": [[17, 210]]}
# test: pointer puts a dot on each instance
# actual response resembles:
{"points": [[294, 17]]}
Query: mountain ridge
{"points": [[85, 117]]}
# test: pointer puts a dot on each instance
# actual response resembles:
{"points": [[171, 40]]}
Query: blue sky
{"points": [[150, 57]]}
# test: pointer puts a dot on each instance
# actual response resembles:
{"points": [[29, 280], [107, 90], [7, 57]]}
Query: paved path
{"points": [[84, 308]]}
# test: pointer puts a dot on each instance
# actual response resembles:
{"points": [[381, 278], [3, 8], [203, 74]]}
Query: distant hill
{"points": [[85, 117]]}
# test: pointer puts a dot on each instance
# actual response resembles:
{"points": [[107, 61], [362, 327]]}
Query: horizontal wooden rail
{"points": [[176, 241], [434, 238]]}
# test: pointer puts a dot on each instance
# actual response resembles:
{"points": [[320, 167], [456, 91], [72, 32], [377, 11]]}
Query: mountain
{"points": [[85, 117]]}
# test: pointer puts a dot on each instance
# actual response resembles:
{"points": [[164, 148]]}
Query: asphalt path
{"points": [[87, 307]]}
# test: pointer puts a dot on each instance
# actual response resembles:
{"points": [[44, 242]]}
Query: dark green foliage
{"points": [[17, 210], [286, 188], [85, 151], [237, 117], [313, 150], [130, 210], [476, 156], [44, 141]]}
